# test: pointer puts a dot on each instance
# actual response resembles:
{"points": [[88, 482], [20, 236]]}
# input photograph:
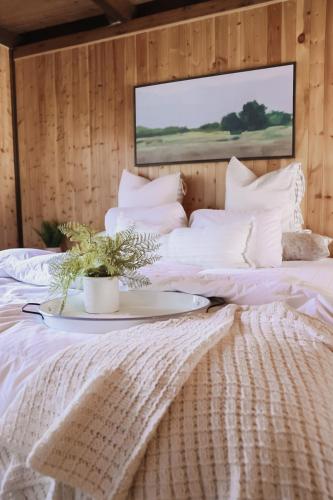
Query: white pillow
{"points": [[136, 191], [124, 222], [264, 246], [167, 217], [282, 189], [207, 247]]}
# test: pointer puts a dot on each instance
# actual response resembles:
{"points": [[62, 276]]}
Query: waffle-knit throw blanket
{"points": [[238, 404]]}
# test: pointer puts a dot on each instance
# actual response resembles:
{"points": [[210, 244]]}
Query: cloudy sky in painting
{"points": [[192, 103]]}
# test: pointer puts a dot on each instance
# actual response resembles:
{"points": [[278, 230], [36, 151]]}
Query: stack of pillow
{"points": [[260, 226], [152, 206]]}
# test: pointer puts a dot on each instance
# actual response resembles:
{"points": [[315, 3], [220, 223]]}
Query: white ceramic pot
{"points": [[54, 249], [101, 295]]}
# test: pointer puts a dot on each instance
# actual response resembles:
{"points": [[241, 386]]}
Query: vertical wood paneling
{"points": [[64, 136], [30, 140], [8, 228], [254, 54], [274, 52], [76, 109], [328, 124], [222, 60], [303, 33], [315, 205]]}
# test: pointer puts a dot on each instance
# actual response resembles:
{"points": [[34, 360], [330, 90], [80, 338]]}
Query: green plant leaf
{"points": [[103, 256], [50, 233]]}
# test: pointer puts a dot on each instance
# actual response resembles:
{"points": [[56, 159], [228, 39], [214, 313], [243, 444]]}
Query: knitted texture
{"points": [[250, 414], [86, 417]]}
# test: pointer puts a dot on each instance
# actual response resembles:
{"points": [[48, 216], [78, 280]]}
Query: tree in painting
{"points": [[232, 123], [253, 116]]}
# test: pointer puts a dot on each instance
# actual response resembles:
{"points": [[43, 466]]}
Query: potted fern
{"points": [[102, 261], [51, 235]]}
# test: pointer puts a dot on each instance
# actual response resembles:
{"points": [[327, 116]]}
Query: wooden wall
{"points": [[8, 228], [75, 109]]}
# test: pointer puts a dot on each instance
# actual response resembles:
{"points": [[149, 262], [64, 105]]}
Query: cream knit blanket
{"points": [[237, 404]]}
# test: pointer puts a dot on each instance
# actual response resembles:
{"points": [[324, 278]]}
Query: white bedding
{"points": [[25, 342]]}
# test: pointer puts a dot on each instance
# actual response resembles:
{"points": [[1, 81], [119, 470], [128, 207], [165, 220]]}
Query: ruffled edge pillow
{"points": [[264, 246], [208, 248], [280, 189]]}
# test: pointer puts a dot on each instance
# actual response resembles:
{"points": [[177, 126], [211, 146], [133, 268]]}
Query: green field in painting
{"points": [[201, 145]]}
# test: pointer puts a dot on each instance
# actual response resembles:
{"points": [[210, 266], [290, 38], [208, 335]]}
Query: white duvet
{"points": [[25, 342]]}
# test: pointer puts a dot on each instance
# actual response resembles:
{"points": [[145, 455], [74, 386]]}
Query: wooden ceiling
{"points": [[28, 21]]}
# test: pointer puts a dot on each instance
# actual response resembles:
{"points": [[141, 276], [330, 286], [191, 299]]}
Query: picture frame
{"points": [[249, 113]]}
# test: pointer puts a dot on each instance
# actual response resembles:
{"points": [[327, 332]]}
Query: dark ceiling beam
{"points": [[172, 17], [8, 38], [81, 25], [116, 10], [156, 6]]}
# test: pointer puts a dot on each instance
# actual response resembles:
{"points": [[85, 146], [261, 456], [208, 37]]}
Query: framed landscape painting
{"points": [[248, 114]]}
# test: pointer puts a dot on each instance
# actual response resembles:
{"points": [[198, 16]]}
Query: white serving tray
{"points": [[135, 307]]}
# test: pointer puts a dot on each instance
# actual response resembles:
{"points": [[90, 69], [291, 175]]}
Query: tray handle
{"points": [[215, 302], [28, 311]]}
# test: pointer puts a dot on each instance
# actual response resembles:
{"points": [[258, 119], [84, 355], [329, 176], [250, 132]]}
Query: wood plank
{"points": [[63, 142], [8, 233], [129, 82], [29, 142], [110, 132], [97, 122], [119, 84], [328, 125], [315, 212], [48, 183], [158, 70], [221, 43], [303, 41], [178, 68], [142, 70], [82, 140], [200, 62], [288, 54], [274, 28], [274, 53], [254, 43], [20, 82], [202, 10], [15, 144], [221, 63]]}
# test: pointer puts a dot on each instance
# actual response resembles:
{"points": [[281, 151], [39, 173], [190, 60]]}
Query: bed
{"points": [[236, 403]]}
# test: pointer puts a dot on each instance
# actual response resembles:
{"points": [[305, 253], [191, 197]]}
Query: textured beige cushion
{"points": [[304, 246]]}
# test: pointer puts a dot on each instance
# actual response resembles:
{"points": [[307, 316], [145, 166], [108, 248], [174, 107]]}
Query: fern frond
{"points": [[76, 232], [103, 256]]}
